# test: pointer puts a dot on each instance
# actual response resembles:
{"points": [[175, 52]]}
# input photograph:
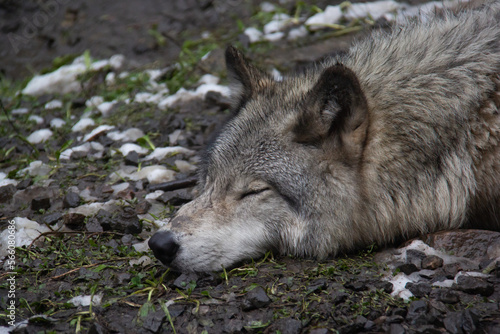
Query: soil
{"points": [[92, 255]]}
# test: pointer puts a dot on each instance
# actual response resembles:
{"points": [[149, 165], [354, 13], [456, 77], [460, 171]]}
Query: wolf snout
{"points": [[164, 246]]}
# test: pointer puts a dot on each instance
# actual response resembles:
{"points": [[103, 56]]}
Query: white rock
{"points": [[116, 62], [331, 15], [37, 119], [26, 231], [276, 36], [20, 111], [254, 34], [94, 101], [39, 136], [127, 148], [100, 129], [105, 107], [297, 33], [131, 134], [56, 123], [85, 300], [82, 124], [61, 81], [184, 166], [54, 104], [36, 168], [4, 180], [161, 152]]}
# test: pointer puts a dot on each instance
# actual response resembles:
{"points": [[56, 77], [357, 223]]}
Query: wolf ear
{"points": [[335, 106], [246, 78]]}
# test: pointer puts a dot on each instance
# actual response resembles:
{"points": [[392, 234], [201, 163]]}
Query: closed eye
{"points": [[253, 192]]}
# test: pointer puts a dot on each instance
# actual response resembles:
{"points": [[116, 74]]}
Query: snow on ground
{"points": [[26, 231], [39, 136]]}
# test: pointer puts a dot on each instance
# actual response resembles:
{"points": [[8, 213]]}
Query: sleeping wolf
{"points": [[398, 137]]}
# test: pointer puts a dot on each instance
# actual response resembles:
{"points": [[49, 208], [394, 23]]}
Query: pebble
{"points": [[71, 200], [255, 299], [39, 136], [40, 203], [432, 262], [474, 285], [6, 193], [132, 159]]}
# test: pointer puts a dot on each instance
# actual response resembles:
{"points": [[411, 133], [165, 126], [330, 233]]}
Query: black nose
{"points": [[164, 246]]}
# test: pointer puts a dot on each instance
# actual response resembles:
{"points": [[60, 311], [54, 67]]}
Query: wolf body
{"points": [[398, 137]]}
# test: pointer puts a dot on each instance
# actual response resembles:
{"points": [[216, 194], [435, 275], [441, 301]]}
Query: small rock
{"points": [[7, 192], [132, 159], [255, 299], [176, 197], [394, 319], [407, 268], [474, 285], [71, 200], [216, 98], [432, 262], [142, 207], [74, 221], [356, 286], [125, 222], [40, 203], [24, 184], [448, 296], [52, 218], [419, 290], [154, 320], [396, 329], [319, 331], [183, 281], [415, 256], [338, 297], [93, 225], [453, 322], [387, 287], [285, 326]]}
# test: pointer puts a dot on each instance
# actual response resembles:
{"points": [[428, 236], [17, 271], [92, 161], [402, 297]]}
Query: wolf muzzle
{"points": [[164, 246]]}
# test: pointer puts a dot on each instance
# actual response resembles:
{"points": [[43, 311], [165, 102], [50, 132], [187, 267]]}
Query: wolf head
{"points": [[281, 175]]}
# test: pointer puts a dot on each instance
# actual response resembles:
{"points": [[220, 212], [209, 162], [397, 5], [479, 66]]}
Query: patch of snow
{"points": [[209, 79], [155, 174], [399, 286], [26, 231], [375, 9], [39, 136], [127, 148], [91, 209], [66, 154], [56, 123], [278, 23], [277, 75], [110, 78], [117, 61], [82, 124], [105, 107], [85, 195], [36, 168], [119, 187], [143, 260], [447, 283], [161, 152], [100, 129], [141, 247], [4, 180], [20, 111], [267, 7], [61, 81], [297, 33], [154, 195], [94, 101], [131, 134], [54, 104], [37, 119], [175, 136], [253, 34], [150, 97], [275, 36], [331, 15], [85, 300], [184, 166]]}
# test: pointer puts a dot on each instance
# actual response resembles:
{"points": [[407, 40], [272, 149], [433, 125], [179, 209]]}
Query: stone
{"points": [[176, 197], [407, 268], [419, 290], [52, 218], [256, 298], [474, 285], [74, 221], [432, 262], [142, 207], [71, 200], [7, 192], [356, 286], [132, 159], [415, 256], [40, 203], [285, 326]]}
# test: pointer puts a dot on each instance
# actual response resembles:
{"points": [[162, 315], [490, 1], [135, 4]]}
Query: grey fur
{"points": [[396, 138]]}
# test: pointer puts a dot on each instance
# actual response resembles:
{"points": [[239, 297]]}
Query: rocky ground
{"points": [[99, 152]]}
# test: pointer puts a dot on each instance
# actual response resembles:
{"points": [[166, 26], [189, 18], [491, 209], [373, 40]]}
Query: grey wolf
{"points": [[398, 137]]}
